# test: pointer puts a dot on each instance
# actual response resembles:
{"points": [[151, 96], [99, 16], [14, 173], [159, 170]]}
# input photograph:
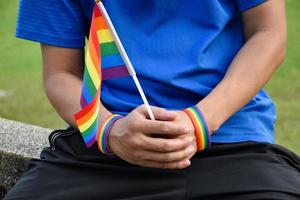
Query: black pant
{"points": [[249, 170]]}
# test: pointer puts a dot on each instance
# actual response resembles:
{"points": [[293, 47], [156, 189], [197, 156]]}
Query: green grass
{"points": [[284, 87], [21, 78], [21, 75]]}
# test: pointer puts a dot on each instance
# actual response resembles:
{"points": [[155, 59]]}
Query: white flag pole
{"points": [[125, 57]]}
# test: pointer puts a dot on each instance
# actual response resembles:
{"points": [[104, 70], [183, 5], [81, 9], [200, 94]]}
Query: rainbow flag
{"points": [[103, 61]]}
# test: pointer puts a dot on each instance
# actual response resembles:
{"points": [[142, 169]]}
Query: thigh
{"points": [[67, 170], [245, 171]]}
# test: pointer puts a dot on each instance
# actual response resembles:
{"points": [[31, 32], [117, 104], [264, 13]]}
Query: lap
{"points": [[248, 170], [244, 171]]}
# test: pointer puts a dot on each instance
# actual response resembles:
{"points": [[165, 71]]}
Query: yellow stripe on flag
{"points": [[91, 69], [104, 36]]}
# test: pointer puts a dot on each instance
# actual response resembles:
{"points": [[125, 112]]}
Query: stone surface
{"points": [[19, 143]]}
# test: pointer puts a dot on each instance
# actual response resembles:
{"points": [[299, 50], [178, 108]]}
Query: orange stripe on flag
{"points": [[88, 115], [86, 109], [94, 57], [100, 23]]}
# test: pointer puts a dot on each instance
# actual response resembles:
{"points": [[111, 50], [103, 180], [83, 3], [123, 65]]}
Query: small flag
{"points": [[103, 61], [113, 65]]}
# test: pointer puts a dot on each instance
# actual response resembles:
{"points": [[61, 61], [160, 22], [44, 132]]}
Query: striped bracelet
{"points": [[201, 131], [104, 130]]}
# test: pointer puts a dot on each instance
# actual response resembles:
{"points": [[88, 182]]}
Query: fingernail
{"points": [[188, 162]]}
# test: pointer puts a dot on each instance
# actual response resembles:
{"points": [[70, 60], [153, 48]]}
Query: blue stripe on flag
{"points": [[91, 136], [111, 61], [86, 94]]}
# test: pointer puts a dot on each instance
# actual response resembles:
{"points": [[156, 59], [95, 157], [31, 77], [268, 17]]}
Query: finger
{"points": [[164, 157], [163, 145], [171, 165], [159, 113], [162, 127], [163, 114]]}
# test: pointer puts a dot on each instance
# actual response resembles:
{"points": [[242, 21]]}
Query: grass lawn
{"points": [[21, 88]]}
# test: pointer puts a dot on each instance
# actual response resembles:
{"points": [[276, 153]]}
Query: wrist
{"points": [[104, 131], [213, 119], [103, 115], [202, 132]]}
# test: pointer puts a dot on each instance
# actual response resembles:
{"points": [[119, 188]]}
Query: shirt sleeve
{"points": [[244, 5], [53, 22]]}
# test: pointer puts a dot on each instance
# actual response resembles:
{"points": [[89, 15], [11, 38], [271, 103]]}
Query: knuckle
{"points": [[166, 146], [183, 144], [160, 148], [160, 113], [163, 165], [182, 155], [167, 158], [141, 107], [163, 127], [186, 153]]}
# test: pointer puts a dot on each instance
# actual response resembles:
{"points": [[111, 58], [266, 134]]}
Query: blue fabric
{"points": [[111, 61], [247, 4], [179, 50]]}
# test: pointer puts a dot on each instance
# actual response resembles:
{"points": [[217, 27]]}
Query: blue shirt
{"points": [[179, 50]]}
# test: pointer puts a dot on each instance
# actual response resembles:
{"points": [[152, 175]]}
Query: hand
{"points": [[182, 120], [131, 138]]}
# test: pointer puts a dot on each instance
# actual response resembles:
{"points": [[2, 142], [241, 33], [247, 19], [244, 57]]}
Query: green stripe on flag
{"points": [[91, 128], [89, 83], [108, 48]]}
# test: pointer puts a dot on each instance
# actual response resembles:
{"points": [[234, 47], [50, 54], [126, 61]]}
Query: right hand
{"points": [[141, 141]]}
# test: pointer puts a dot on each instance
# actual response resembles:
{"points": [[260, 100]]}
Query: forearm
{"points": [[248, 73], [62, 74], [64, 91]]}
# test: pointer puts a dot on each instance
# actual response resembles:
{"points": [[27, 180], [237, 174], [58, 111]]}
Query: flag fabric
{"points": [[112, 63], [102, 61]]}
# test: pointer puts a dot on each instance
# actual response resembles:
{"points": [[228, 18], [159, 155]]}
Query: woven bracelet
{"points": [[201, 131], [104, 130]]}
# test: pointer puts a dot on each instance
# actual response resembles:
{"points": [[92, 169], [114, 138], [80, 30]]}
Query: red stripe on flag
{"points": [[93, 38], [97, 11], [90, 106]]}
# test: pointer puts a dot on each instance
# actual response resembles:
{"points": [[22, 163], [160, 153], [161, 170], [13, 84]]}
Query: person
{"points": [[215, 55]]}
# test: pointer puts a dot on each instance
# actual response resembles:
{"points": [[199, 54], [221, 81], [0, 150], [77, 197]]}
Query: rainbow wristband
{"points": [[201, 131], [104, 130]]}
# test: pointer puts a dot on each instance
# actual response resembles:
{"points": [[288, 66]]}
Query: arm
{"points": [[130, 136], [263, 52], [253, 66], [62, 74]]}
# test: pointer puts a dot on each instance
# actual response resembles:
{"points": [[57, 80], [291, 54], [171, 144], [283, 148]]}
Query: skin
{"points": [[169, 142]]}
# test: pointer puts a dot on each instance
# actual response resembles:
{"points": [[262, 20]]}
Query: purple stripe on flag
{"points": [[114, 72], [83, 102], [90, 143]]}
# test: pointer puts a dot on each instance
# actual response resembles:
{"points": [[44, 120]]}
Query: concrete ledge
{"points": [[19, 143]]}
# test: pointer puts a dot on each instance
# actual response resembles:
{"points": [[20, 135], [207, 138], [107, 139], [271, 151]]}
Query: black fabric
{"points": [[249, 170]]}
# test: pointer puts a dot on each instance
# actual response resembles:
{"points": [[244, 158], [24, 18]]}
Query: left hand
{"points": [[182, 120]]}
